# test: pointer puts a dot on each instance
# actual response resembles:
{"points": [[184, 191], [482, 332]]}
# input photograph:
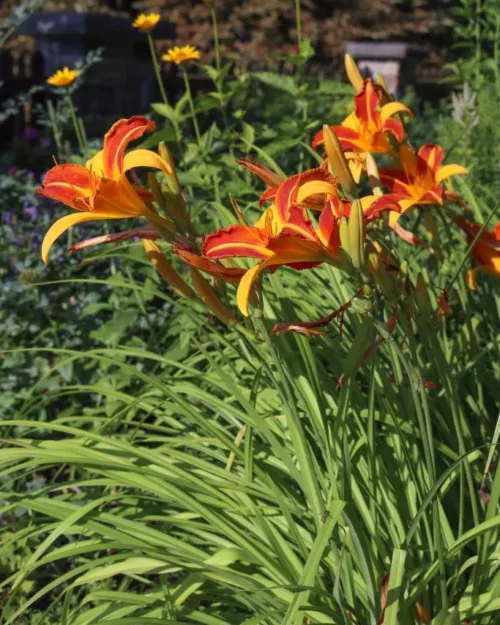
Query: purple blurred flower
{"points": [[7, 217], [32, 212], [30, 134]]}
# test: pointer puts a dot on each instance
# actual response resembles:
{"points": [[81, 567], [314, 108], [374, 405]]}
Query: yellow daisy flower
{"points": [[146, 21], [63, 77], [181, 55]]}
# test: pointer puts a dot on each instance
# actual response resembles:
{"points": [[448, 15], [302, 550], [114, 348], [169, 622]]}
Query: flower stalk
{"points": [[157, 68], [191, 106]]}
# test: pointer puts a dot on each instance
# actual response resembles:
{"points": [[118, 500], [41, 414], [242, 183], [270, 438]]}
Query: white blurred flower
{"points": [[465, 112]]}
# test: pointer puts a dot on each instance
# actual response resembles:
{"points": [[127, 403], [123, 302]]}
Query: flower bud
{"points": [[421, 295], [172, 202], [172, 180], [211, 300], [385, 99], [344, 236], [338, 162], [356, 232], [167, 272], [155, 188], [353, 73]]}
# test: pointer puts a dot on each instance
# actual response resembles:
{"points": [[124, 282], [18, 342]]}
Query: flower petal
{"points": [[315, 187], [328, 227], [229, 274], [145, 158], [395, 127], [351, 139], [245, 287], [470, 278], [408, 160], [390, 109], [119, 196], [66, 182], [271, 178], [450, 170], [285, 196], [432, 154], [405, 205], [117, 139], [269, 194], [318, 139], [374, 205], [237, 241], [298, 225], [410, 238], [305, 185], [366, 103], [287, 250], [96, 163], [166, 271], [115, 237], [66, 222]]}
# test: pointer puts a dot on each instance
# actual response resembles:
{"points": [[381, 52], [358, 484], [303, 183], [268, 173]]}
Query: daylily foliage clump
{"points": [[208, 450], [340, 213]]}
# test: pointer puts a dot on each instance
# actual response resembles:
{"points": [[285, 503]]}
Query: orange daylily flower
{"points": [[284, 236], [274, 181], [486, 252], [101, 190], [364, 130], [419, 179]]}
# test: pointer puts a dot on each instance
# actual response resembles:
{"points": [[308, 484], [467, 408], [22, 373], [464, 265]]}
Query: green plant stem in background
{"points": [[55, 128], [478, 42], [216, 41], [218, 65], [157, 68], [76, 125], [298, 25], [191, 106]]}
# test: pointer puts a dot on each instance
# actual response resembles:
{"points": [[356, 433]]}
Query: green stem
{"points": [[299, 25], [191, 106], [157, 69], [218, 65], [216, 41], [76, 125], [55, 128], [478, 42]]}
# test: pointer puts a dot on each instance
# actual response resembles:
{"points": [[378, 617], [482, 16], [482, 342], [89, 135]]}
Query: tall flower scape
{"points": [[341, 213]]}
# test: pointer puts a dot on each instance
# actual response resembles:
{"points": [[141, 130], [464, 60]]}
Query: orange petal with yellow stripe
{"points": [[366, 103], [66, 182], [237, 241], [432, 154], [117, 140], [287, 250]]}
